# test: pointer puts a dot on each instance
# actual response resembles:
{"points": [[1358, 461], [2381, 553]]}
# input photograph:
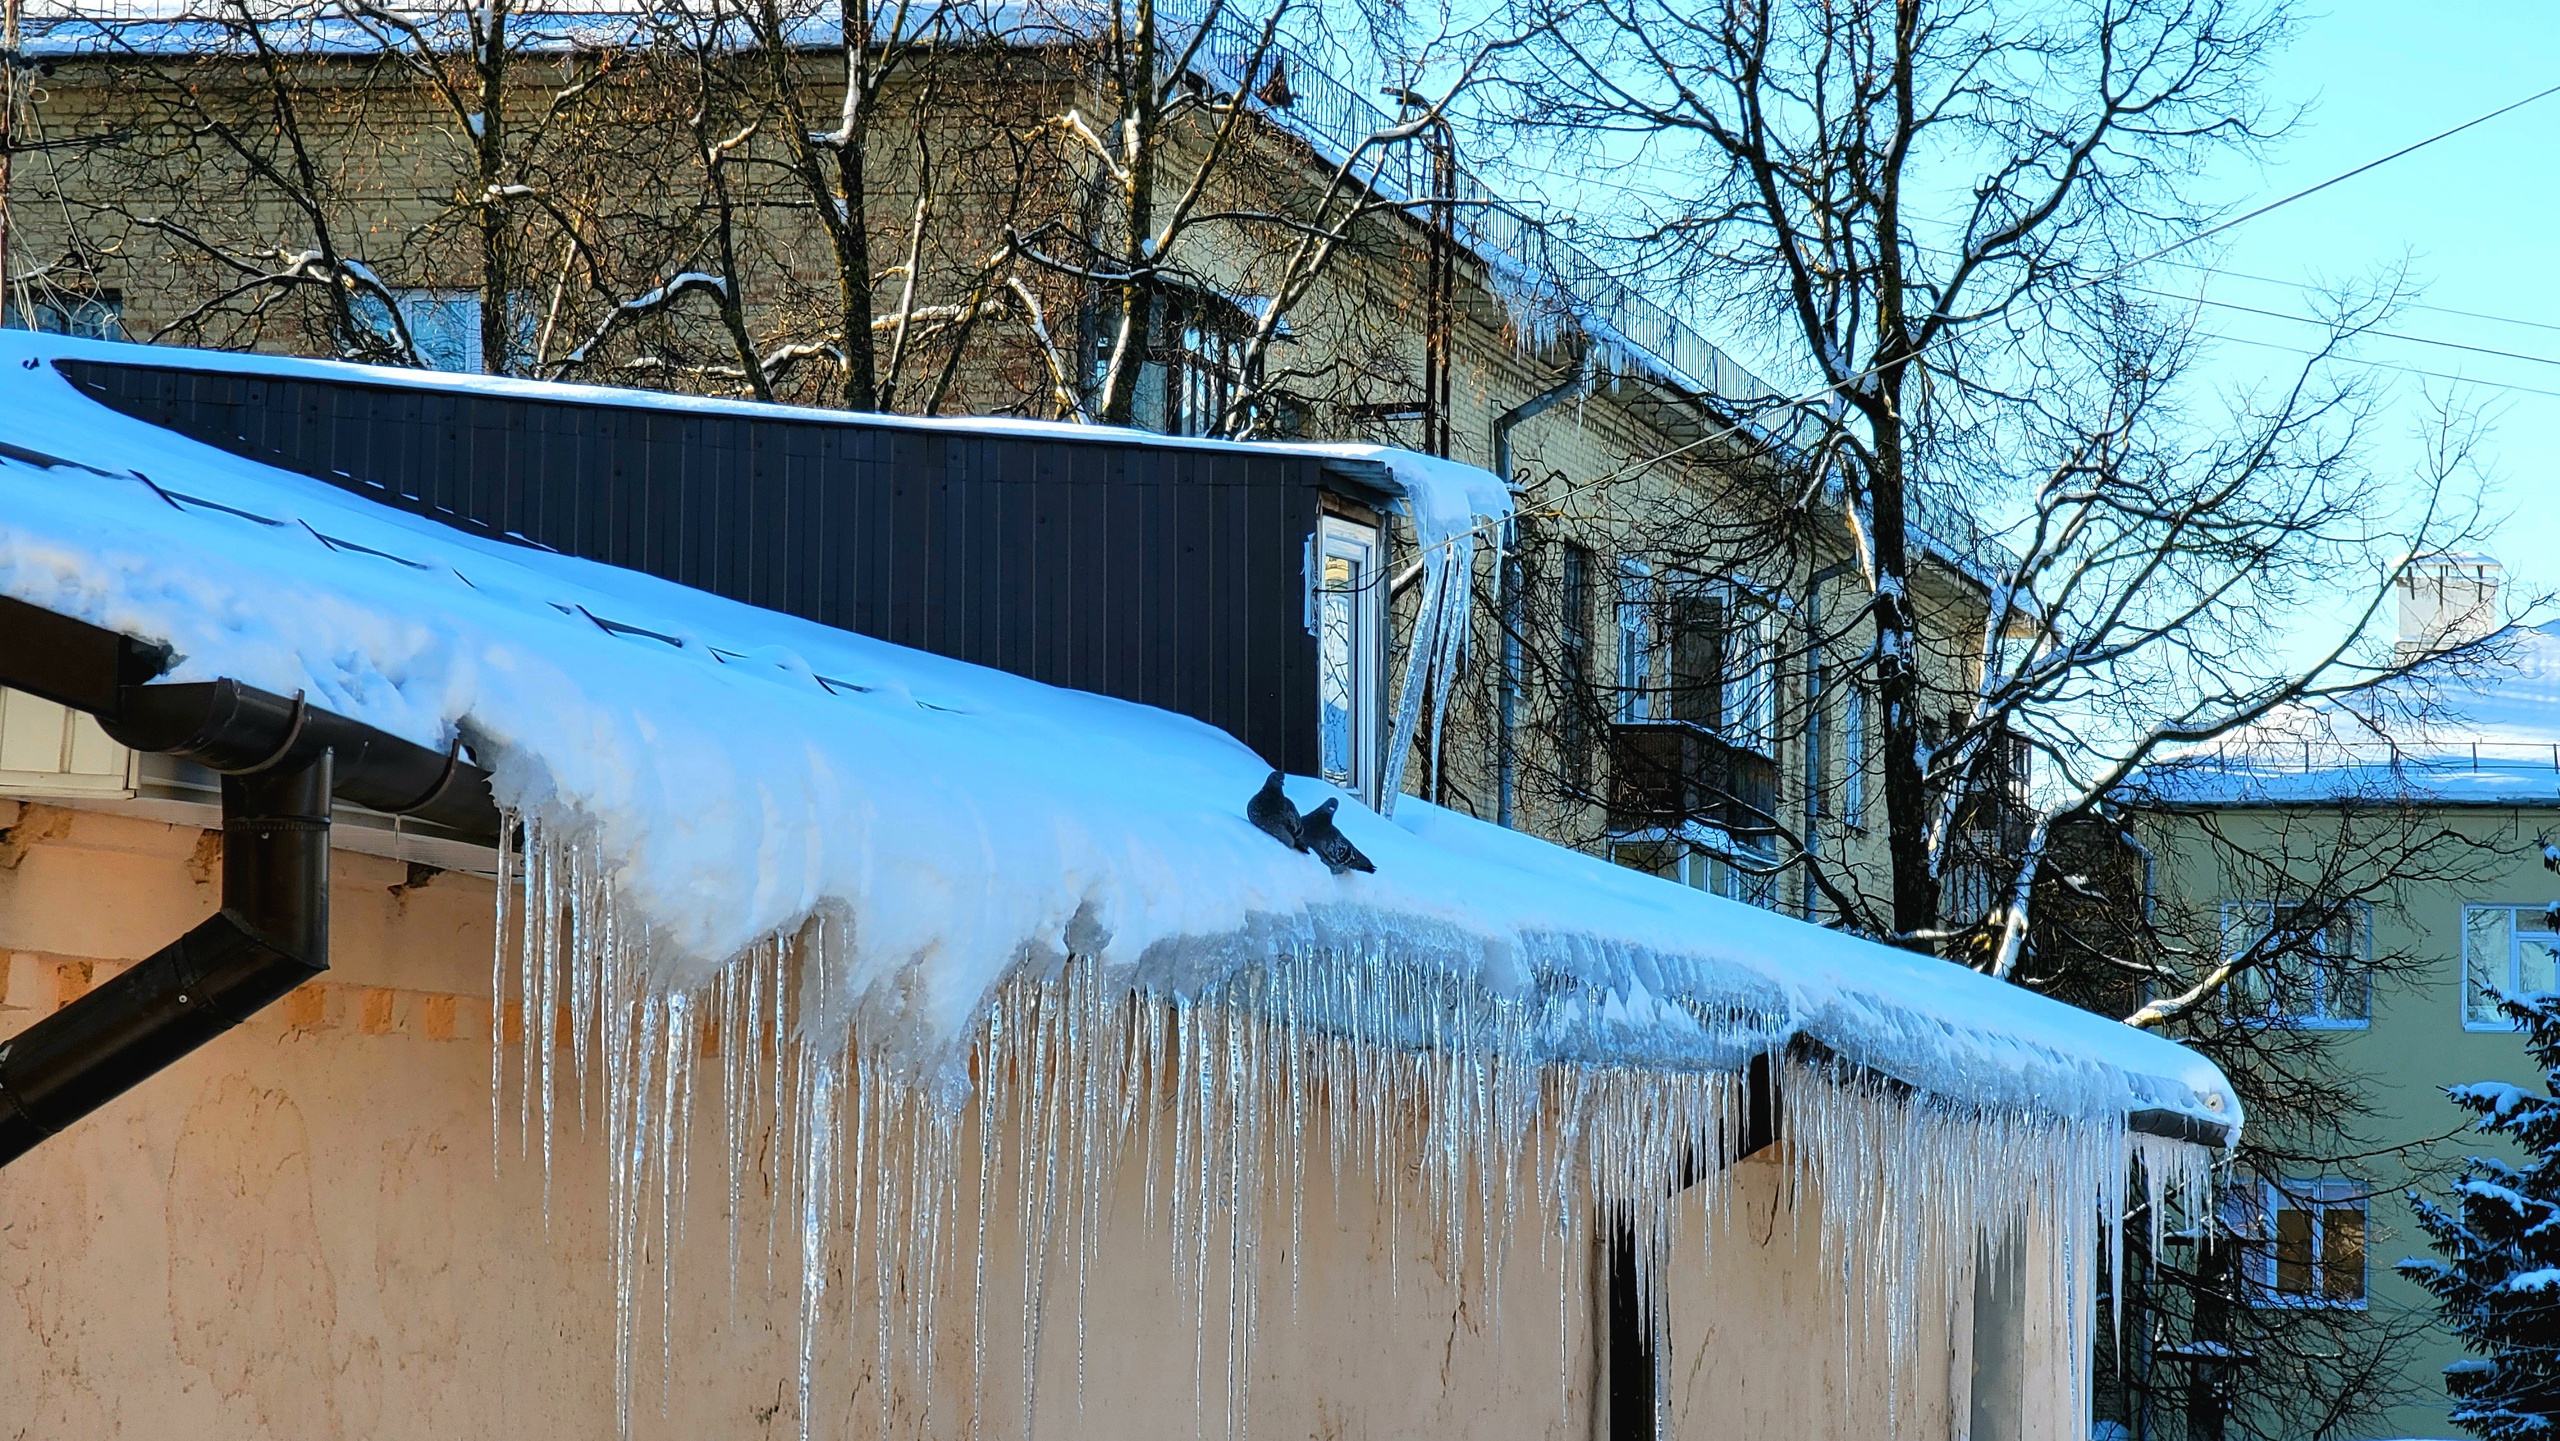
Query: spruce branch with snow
{"points": [[2496, 1271]]}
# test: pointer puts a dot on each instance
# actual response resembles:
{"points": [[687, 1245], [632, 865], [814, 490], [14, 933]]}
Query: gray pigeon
{"points": [[1270, 809], [1316, 833]]}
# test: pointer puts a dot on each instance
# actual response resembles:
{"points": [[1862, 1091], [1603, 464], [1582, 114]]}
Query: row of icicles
{"points": [[874, 1189]]}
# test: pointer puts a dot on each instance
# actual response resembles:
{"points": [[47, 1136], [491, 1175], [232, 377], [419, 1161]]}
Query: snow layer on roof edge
{"points": [[963, 822]]}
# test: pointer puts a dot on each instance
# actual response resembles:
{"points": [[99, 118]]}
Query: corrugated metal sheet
{"points": [[1162, 574]]}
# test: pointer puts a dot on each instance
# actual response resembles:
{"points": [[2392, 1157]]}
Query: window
{"points": [[2505, 949], [1194, 365], [1204, 371], [1723, 672], [1574, 600], [1750, 676], [443, 324], [2313, 961], [1635, 642], [1853, 758], [1348, 621], [2302, 1241], [1699, 869], [1817, 742], [1737, 875], [92, 316]]}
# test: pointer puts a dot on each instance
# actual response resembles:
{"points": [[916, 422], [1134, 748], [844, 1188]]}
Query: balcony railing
{"points": [[1667, 774]]}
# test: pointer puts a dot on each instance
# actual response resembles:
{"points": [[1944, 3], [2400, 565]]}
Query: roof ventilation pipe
{"points": [[282, 762], [2447, 600]]}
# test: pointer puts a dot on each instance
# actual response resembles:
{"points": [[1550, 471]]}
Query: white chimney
{"points": [[2448, 599]]}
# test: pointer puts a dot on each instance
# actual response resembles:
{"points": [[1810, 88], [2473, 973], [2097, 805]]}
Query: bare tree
{"points": [[302, 169], [1943, 211], [1227, 174], [1945, 216]]}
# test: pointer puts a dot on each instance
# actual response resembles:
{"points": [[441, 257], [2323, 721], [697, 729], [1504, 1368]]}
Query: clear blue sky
{"points": [[2477, 218]]}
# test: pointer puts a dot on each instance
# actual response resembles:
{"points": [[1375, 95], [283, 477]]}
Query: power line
{"points": [[2384, 365], [2308, 191], [2242, 219], [1821, 392], [2313, 320], [2410, 304]]}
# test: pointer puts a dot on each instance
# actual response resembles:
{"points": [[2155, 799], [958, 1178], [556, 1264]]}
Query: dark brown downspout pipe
{"points": [[271, 935], [282, 762]]}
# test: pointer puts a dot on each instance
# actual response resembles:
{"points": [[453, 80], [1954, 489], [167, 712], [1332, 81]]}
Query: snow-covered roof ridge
{"points": [[2483, 732], [734, 772]]}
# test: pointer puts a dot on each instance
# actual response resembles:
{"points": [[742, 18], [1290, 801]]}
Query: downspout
{"points": [[282, 762], [1508, 763]]}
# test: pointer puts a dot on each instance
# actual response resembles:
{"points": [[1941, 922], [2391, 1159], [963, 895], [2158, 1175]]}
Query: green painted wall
{"points": [[2415, 1043]]}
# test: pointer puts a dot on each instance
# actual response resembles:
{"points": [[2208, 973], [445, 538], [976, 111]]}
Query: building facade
{"points": [[2378, 873]]}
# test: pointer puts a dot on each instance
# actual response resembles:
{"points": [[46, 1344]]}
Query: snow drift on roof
{"points": [[2487, 735], [734, 772]]}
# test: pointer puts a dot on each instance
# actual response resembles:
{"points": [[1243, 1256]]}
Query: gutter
{"points": [[282, 762]]}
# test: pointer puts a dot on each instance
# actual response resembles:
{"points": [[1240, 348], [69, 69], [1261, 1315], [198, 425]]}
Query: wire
{"points": [[2384, 365], [2313, 320], [2412, 304], [1824, 391], [2308, 191]]}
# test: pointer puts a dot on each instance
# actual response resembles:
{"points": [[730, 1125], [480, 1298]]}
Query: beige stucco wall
{"points": [[298, 1232]]}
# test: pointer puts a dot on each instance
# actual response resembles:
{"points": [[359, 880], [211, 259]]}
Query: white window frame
{"points": [[1752, 614], [1363, 609], [2511, 980], [2258, 1231], [1637, 641], [431, 314], [2238, 917]]}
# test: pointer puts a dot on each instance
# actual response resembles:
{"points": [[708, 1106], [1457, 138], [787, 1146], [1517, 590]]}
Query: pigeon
{"points": [[1316, 833], [1270, 809]]}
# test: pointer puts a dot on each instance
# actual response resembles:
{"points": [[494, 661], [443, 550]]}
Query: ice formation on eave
{"points": [[2489, 736], [867, 875]]}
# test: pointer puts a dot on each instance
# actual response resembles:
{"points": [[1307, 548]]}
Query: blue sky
{"points": [[2476, 217]]}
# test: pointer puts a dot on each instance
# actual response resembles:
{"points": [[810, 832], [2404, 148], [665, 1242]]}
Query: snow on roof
{"points": [[737, 771], [2488, 736]]}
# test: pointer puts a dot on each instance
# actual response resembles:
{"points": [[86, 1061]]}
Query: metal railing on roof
{"points": [[2294, 756]]}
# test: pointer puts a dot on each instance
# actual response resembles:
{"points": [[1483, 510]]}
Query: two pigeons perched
{"points": [[1272, 810]]}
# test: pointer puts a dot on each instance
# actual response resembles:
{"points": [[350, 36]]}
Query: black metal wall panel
{"points": [[1163, 574]]}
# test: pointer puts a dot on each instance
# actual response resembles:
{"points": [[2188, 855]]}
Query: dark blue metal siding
{"points": [[1163, 574]]}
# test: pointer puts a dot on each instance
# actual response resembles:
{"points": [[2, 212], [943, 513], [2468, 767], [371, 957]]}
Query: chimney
{"points": [[2448, 599]]}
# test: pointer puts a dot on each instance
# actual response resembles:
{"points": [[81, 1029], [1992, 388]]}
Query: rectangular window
{"points": [[1203, 375], [1635, 642], [2309, 963], [1696, 644], [444, 325], [1573, 731], [1723, 668], [1853, 758], [2303, 1241], [1349, 631], [2505, 949], [96, 315], [1736, 876]]}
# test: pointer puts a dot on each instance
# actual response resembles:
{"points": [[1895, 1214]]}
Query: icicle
{"points": [[1332, 1063]]}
